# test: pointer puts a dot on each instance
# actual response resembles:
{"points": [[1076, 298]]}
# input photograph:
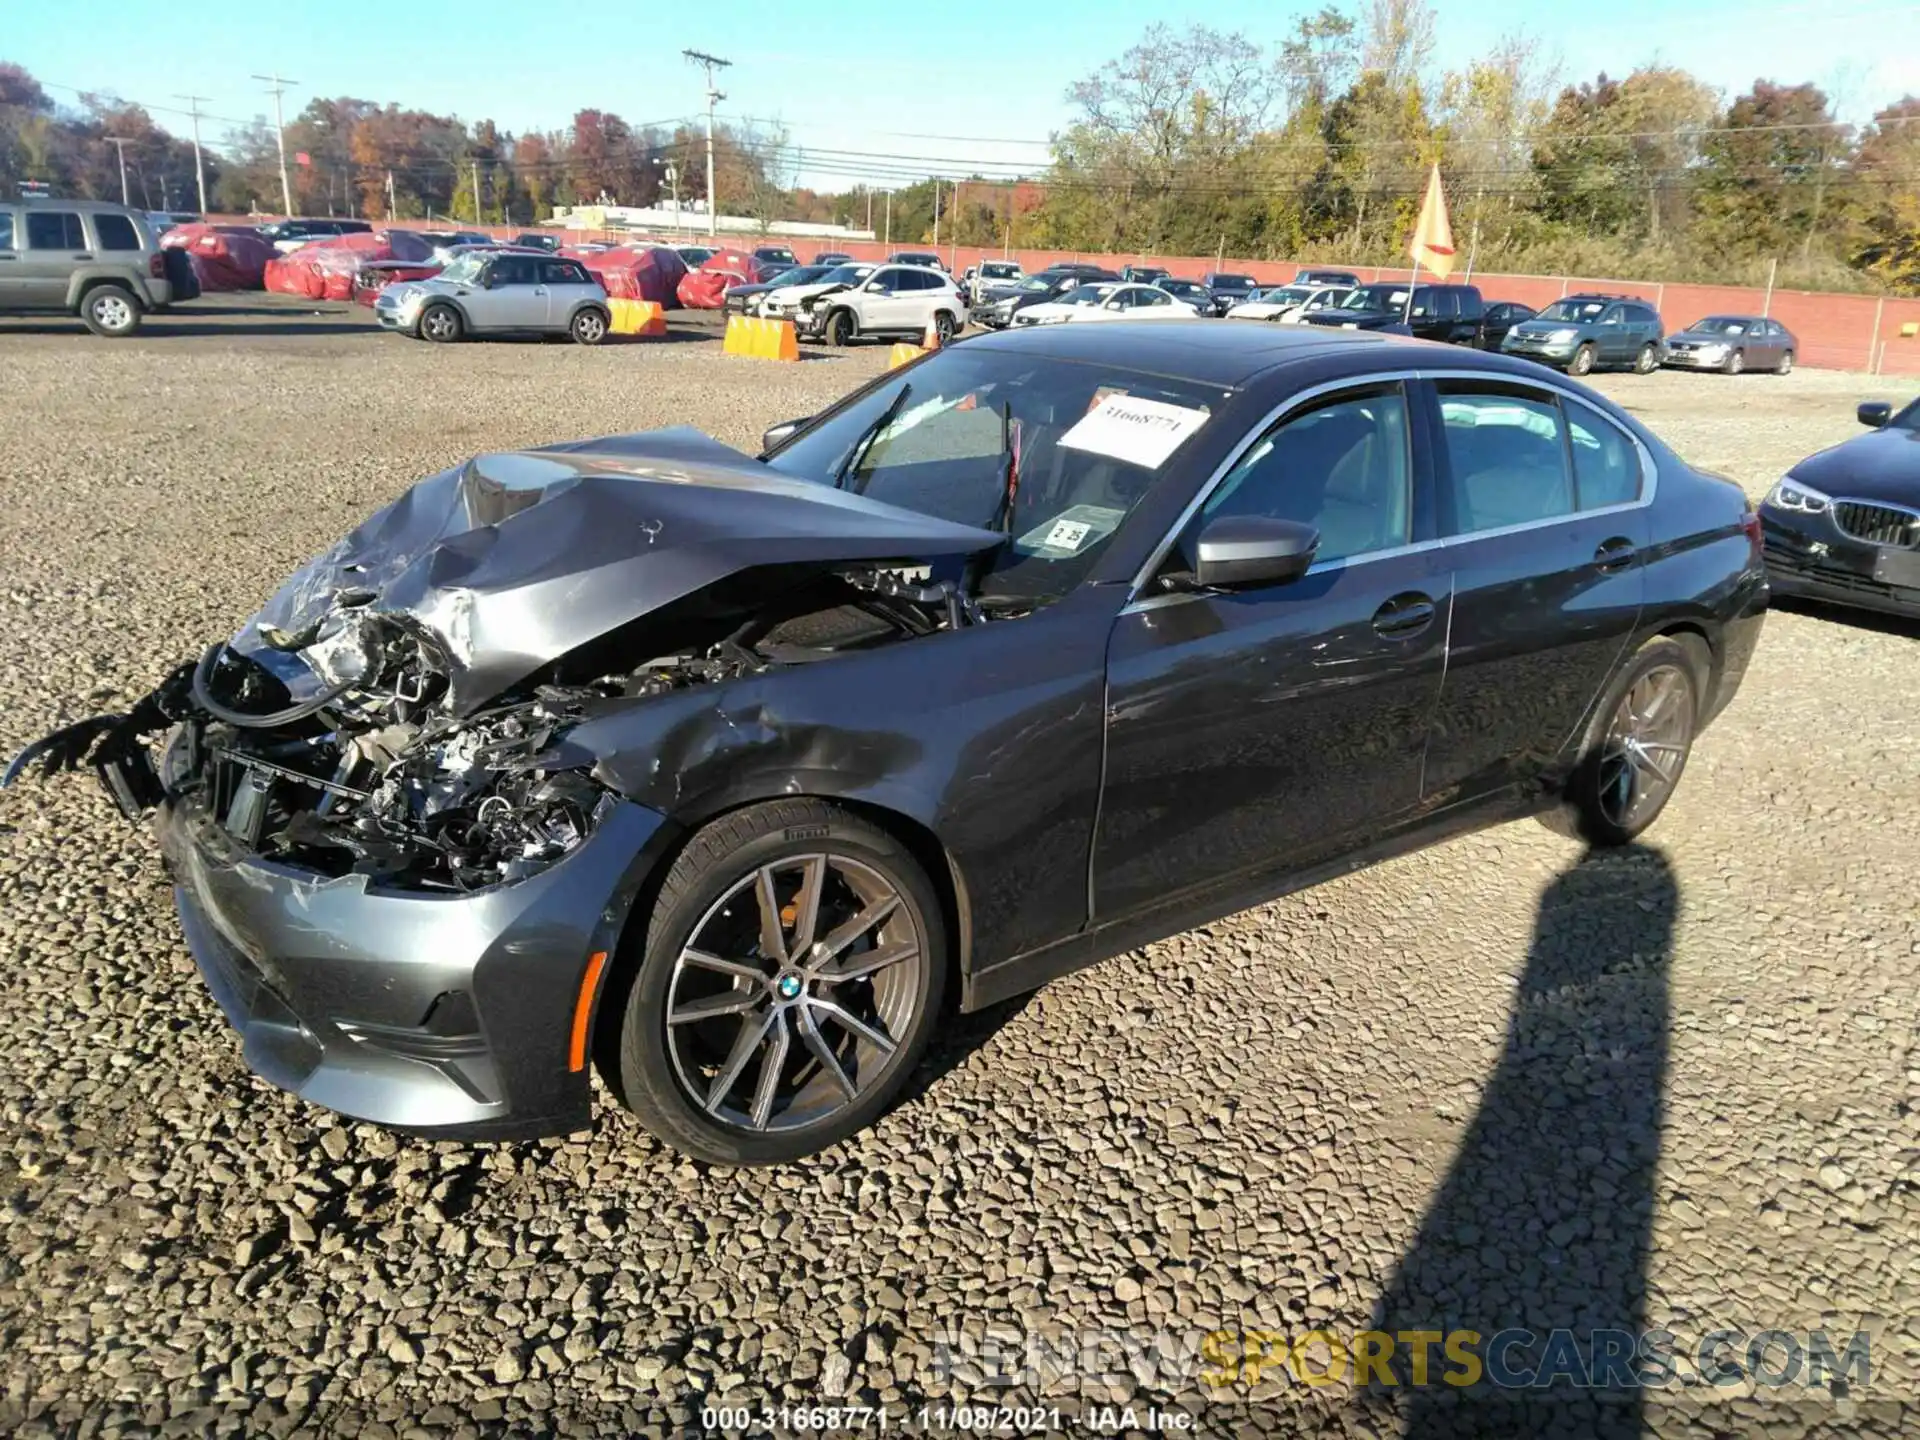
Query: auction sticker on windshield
{"points": [[1138, 431]]}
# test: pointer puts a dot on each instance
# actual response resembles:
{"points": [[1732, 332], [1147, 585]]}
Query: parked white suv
{"points": [[900, 300]]}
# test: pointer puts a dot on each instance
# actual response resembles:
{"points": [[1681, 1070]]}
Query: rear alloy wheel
{"points": [[440, 324], [1735, 363], [1785, 367], [589, 327], [943, 326], [795, 964], [111, 311], [1582, 362], [1624, 782], [1646, 361]]}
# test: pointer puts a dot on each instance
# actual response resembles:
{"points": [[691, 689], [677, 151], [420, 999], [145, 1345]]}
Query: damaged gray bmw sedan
{"points": [[732, 775]]}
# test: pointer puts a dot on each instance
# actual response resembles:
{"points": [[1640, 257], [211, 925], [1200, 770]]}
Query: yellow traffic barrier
{"points": [[637, 317], [760, 339], [903, 354]]}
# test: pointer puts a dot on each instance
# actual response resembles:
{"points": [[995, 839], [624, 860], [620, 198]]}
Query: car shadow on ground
{"points": [[955, 1041], [1905, 627], [1544, 1221]]}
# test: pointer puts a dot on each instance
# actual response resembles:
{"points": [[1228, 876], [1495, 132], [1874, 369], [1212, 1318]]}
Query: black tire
{"points": [[1785, 367], [840, 328], [1647, 361], [1582, 361], [441, 324], [1735, 363], [110, 310], [719, 858], [943, 326], [1591, 807], [588, 326]]}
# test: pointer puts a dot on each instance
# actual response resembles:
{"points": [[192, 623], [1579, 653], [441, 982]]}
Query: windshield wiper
{"points": [[858, 454]]}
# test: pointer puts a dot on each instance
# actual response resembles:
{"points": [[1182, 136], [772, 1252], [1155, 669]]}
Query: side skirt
{"points": [[1021, 973]]}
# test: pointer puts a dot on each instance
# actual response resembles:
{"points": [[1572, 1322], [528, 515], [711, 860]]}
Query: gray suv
{"points": [[1579, 332], [81, 257], [499, 292]]}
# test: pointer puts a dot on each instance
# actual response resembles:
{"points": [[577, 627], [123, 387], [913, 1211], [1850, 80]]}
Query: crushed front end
{"points": [[401, 882]]}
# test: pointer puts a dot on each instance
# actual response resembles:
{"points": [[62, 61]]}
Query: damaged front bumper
{"points": [[453, 1015]]}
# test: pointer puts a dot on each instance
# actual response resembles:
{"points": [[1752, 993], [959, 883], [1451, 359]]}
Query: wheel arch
{"points": [[88, 281], [942, 870]]}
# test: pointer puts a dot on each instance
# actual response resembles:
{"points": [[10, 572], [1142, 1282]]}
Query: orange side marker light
{"points": [[583, 1011]]}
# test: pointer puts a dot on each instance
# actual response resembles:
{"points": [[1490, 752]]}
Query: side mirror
{"points": [[783, 432], [1874, 414], [1242, 551]]}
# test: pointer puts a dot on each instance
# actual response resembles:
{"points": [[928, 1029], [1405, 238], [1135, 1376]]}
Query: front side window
{"points": [[116, 232], [510, 270], [1508, 457], [54, 230], [1606, 464], [1344, 468], [1085, 443]]}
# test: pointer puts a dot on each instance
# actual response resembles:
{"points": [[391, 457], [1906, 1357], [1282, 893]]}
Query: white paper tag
{"points": [[1067, 535], [1140, 432]]}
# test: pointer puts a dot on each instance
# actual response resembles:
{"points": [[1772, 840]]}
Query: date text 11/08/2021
{"points": [[945, 1419]]}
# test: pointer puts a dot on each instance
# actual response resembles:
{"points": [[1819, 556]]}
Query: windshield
{"points": [[1721, 325], [1376, 297], [1573, 310], [1233, 282], [845, 275], [464, 269], [1083, 461]]}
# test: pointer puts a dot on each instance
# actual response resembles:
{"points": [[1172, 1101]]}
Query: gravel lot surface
{"points": [[1494, 1084]]}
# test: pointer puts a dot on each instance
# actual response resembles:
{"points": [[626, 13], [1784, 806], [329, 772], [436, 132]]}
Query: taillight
{"points": [[157, 265], [1750, 522]]}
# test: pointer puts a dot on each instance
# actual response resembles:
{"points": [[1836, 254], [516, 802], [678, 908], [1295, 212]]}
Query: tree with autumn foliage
{"points": [[1885, 176]]}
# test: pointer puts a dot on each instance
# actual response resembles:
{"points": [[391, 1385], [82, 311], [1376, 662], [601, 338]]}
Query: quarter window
{"points": [[1606, 466], [1343, 468], [116, 232], [1507, 455], [54, 230]]}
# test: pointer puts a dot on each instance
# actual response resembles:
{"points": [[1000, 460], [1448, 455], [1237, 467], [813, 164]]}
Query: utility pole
{"points": [[476, 192], [889, 219], [199, 169], [277, 87], [936, 212], [392, 213], [120, 143], [714, 65]]}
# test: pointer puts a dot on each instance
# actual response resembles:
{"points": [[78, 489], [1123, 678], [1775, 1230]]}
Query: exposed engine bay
{"points": [[375, 776], [392, 711]]}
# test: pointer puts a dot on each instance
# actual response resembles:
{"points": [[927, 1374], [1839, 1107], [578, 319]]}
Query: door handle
{"points": [[539, 289], [1613, 555], [84, 255], [1404, 616]]}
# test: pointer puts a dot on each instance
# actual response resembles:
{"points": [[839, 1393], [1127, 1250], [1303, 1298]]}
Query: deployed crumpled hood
{"points": [[512, 560]]}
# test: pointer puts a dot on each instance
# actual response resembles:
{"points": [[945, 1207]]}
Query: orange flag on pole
{"points": [[1432, 247]]}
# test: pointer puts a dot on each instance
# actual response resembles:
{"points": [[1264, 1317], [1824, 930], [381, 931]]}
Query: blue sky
{"points": [[986, 86]]}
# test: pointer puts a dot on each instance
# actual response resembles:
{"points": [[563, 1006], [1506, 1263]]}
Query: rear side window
{"points": [[54, 230], [6, 230], [1507, 454], [1606, 464], [116, 232], [562, 272]]}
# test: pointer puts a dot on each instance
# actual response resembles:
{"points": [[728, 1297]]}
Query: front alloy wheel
{"points": [[795, 962], [1646, 361], [1736, 362], [1582, 362]]}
